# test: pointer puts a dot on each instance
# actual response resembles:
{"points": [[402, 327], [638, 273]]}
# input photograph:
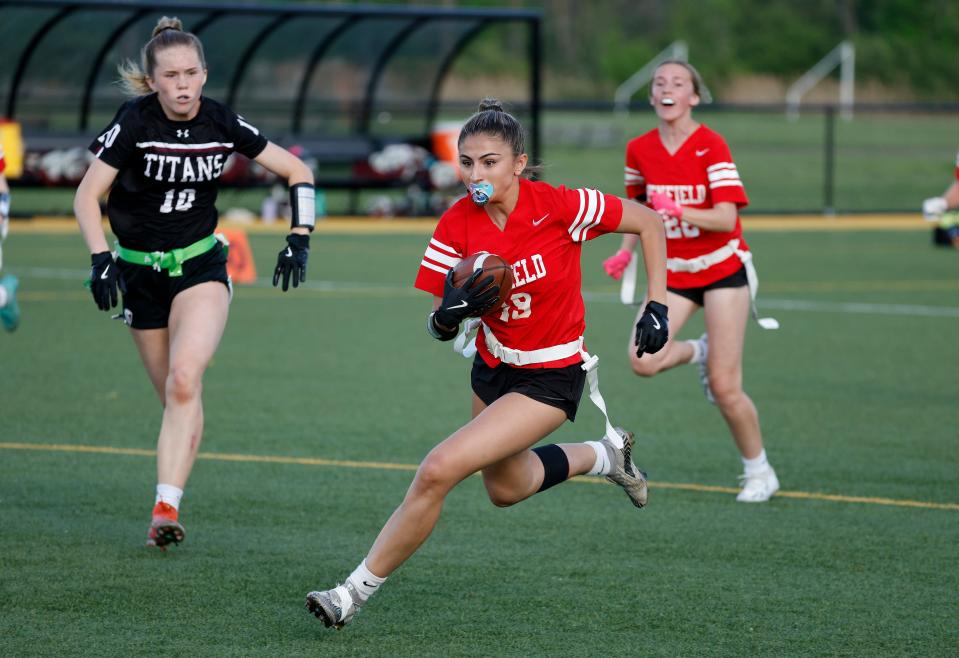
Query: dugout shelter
{"points": [[341, 81]]}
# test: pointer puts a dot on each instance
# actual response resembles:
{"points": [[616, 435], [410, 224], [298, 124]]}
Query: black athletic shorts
{"points": [[146, 304], [735, 280], [557, 387]]}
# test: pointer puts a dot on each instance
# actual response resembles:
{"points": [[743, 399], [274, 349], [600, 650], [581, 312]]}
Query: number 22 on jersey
{"points": [[676, 228]]}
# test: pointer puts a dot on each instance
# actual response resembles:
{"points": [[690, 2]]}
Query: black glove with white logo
{"points": [[652, 330], [105, 278], [291, 261], [470, 299]]}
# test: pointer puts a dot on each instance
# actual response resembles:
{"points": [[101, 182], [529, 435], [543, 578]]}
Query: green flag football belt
{"points": [[172, 260]]}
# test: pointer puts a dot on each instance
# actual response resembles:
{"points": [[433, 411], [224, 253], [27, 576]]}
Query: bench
{"points": [[340, 163]]}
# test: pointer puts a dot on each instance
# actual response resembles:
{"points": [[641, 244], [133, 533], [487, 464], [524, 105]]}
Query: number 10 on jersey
{"points": [[184, 200]]}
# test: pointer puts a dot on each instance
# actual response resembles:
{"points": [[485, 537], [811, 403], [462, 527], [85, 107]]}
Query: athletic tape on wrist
{"points": [[303, 206], [438, 332]]}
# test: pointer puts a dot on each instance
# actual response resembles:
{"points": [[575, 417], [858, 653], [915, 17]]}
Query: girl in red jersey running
{"points": [[685, 171], [530, 368]]}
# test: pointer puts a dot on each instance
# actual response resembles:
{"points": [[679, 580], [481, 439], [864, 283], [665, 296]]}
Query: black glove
{"points": [[105, 278], [469, 300], [292, 260], [652, 330]]}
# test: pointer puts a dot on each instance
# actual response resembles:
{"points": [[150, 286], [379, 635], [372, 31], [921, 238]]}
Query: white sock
{"points": [[3, 296], [167, 493], [365, 581], [756, 464], [697, 351], [602, 466]]}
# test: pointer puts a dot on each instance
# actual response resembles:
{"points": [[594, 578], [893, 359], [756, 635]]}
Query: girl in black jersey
{"points": [[161, 158]]}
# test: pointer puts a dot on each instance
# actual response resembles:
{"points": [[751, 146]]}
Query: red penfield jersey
{"points": [[699, 175], [543, 240], [3, 163]]}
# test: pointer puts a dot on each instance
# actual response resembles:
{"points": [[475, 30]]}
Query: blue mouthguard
{"points": [[480, 193]]}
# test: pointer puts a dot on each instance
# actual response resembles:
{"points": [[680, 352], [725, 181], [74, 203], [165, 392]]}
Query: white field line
{"points": [[860, 308], [867, 308], [316, 461]]}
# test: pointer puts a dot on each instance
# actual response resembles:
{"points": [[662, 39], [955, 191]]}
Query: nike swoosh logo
{"points": [[369, 584], [700, 154], [289, 252], [537, 222], [104, 275], [656, 322], [462, 304]]}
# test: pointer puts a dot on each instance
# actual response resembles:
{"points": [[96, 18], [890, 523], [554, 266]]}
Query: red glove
{"points": [[616, 264], [664, 205]]}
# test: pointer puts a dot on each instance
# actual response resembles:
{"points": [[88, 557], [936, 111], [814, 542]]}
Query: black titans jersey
{"points": [[164, 196]]}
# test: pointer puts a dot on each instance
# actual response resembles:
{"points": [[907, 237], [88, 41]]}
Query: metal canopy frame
{"points": [[415, 19]]}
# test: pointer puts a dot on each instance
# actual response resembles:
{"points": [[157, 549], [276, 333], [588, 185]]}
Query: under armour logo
{"points": [[183, 133]]}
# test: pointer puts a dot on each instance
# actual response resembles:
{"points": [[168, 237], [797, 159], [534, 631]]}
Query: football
{"points": [[492, 265]]}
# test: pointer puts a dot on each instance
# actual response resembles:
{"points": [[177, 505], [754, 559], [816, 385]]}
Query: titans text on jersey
{"points": [[164, 196], [191, 169]]}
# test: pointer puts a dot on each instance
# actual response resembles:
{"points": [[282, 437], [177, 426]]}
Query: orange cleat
{"points": [[165, 528]]}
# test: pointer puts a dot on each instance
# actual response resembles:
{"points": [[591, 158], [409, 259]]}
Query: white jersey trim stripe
{"points": [[246, 125], [724, 174], [439, 245], [589, 217], [588, 204], [630, 170], [435, 268], [726, 183], [579, 213], [721, 165], [599, 214], [184, 147], [440, 257]]}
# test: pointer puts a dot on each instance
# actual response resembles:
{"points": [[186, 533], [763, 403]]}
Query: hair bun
{"points": [[167, 23], [490, 103]]}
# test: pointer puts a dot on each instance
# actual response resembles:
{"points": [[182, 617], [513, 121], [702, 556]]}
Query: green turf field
{"points": [[315, 393]]}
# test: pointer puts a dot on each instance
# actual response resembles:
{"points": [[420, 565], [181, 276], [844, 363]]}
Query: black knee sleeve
{"points": [[555, 465]]}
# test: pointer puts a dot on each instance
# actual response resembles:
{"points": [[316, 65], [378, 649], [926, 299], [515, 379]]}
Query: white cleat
{"points": [[624, 471], [704, 369], [334, 607], [758, 487]]}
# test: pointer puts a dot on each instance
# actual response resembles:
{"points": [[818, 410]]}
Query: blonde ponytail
{"points": [[133, 81]]}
